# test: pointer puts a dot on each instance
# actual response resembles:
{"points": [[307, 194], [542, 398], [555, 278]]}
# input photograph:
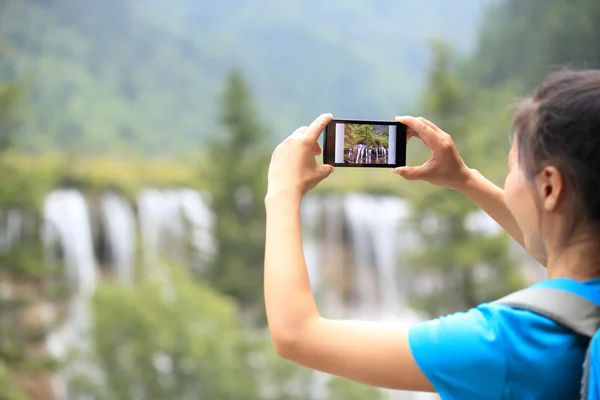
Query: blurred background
{"points": [[135, 138]]}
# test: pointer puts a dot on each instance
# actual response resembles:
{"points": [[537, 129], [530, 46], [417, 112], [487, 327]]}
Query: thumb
{"points": [[326, 170], [409, 173]]}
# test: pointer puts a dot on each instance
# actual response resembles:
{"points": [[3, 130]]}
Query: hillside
{"points": [[145, 76], [524, 40]]}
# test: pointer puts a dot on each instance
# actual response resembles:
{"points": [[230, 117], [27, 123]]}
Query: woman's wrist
{"points": [[468, 178], [280, 195]]}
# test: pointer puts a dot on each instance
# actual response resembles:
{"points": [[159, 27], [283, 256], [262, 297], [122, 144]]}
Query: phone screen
{"points": [[351, 143]]}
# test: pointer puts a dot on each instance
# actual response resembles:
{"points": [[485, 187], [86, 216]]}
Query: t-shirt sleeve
{"points": [[462, 354]]}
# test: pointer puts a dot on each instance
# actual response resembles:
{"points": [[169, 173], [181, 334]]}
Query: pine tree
{"points": [[235, 166]]}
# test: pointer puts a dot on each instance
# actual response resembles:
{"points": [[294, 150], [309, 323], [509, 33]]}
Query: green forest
{"points": [[143, 77], [115, 96]]}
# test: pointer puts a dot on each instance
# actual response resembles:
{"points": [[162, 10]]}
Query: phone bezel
{"points": [[400, 143]]}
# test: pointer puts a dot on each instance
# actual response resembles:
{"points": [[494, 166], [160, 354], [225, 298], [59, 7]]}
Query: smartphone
{"points": [[364, 144]]}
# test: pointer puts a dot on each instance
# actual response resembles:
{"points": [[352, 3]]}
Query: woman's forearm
{"points": [[288, 296], [490, 198]]}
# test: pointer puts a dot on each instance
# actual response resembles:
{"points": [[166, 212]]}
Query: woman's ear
{"points": [[550, 187]]}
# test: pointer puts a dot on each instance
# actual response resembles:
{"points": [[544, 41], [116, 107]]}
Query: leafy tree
{"points": [[235, 165], [472, 267], [168, 337], [171, 337]]}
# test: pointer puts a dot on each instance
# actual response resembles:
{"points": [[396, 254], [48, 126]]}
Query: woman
{"points": [[550, 205]]}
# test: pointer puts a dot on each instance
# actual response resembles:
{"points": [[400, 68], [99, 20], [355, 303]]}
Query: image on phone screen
{"points": [[350, 143]]}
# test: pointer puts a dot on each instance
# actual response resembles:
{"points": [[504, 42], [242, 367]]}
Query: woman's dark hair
{"points": [[560, 126]]}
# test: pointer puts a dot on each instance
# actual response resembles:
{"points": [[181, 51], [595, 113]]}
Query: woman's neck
{"points": [[578, 260]]}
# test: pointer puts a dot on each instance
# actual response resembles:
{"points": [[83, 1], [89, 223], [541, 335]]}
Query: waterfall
{"points": [[66, 228], [67, 224], [12, 223], [310, 216], [361, 154], [196, 209], [375, 231], [120, 235], [170, 219]]}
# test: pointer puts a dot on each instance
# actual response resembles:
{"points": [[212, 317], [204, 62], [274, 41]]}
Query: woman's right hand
{"points": [[445, 167]]}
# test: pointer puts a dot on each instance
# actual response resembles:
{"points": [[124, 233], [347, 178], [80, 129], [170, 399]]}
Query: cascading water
{"points": [[196, 210], [159, 220], [378, 235], [170, 219], [66, 226], [120, 235], [12, 223]]}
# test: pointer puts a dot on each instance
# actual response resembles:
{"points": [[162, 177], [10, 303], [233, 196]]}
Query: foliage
{"points": [[23, 278], [169, 337], [236, 169], [140, 76], [519, 43], [523, 40], [342, 389], [366, 134], [10, 391], [29, 178]]}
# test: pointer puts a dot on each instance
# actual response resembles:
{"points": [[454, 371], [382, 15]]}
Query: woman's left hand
{"points": [[294, 169]]}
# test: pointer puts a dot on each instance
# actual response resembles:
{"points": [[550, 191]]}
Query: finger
{"points": [[326, 170], [314, 130], [410, 134], [318, 150], [412, 173], [431, 125], [431, 139]]}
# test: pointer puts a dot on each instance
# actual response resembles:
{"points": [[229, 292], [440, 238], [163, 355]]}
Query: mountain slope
{"points": [[145, 75]]}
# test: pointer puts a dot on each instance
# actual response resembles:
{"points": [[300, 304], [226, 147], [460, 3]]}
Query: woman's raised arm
{"points": [[446, 168], [371, 353]]}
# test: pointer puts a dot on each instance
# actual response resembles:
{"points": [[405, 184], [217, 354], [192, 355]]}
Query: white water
{"points": [[120, 235], [12, 223], [362, 154], [170, 219], [379, 237], [67, 227], [167, 219]]}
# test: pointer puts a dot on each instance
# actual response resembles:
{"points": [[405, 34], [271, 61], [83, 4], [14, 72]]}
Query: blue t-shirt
{"points": [[497, 352]]}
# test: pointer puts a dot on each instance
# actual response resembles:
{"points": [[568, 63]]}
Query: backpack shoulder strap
{"points": [[565, 301], [574, 305]]}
